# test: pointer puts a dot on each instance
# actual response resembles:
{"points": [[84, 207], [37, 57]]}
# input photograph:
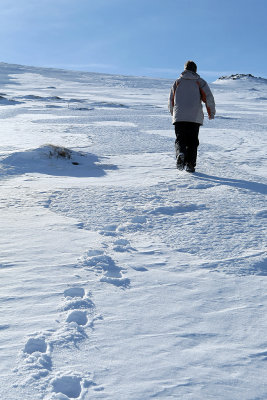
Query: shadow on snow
{"points": [[238, 183]]}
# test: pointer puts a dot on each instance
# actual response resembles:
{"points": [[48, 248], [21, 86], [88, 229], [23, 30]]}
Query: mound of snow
{"points": [[53, 160]]}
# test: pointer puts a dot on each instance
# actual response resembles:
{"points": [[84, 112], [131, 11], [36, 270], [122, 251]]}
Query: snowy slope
{"points": [[123, 278]]}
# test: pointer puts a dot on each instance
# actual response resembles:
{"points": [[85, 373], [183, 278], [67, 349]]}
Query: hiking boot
{"points": [[180, 161], [190, 168]]}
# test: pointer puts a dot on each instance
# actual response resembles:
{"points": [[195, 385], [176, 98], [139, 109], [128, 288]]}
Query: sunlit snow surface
{"points": [[121, 277]]}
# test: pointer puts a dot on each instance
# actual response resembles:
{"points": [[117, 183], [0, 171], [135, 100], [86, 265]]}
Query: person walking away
{"points": [[185, 105]]}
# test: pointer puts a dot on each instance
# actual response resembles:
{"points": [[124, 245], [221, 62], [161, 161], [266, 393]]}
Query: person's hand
{"points": [[211, 116]]}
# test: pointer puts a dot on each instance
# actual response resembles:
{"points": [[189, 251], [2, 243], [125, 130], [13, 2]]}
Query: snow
{"points": [[123, 278]]}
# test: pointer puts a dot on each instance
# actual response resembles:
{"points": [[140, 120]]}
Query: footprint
{"points": [[80, 317], [122, 245], [140, 269], [37, 358], [70, 333], [174, 209], [74, 292], [92, 253], [71, 294], [69, 385], [78, 304], [122, 242], [120, 282], [106, 266], [139, 219], [109, 230], [38, 350], [35, 345]]}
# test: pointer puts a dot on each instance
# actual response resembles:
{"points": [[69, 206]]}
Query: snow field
{"points": [[122, 277]]}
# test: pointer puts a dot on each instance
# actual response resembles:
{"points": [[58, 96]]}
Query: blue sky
{"points": [[137, 37]]}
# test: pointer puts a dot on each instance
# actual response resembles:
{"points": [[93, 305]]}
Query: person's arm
{"points": [[171, 97], [207, 98]]}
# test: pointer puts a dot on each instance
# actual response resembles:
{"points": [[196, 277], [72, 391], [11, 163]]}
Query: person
{"points": [[185, 105]]}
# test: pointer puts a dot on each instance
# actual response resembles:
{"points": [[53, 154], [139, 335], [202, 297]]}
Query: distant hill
{"points": [[243, 77]]}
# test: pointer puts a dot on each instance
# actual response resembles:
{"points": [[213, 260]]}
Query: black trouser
{"points": [[187, 140]]}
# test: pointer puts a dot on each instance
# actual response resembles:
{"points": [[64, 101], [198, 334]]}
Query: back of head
{"points": [[190, 66]]}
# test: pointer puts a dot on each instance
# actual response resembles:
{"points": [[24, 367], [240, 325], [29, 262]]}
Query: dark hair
{"points": [[190, 66]]}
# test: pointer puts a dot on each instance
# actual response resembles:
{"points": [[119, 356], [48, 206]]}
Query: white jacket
{"points": [[186, 96]]}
